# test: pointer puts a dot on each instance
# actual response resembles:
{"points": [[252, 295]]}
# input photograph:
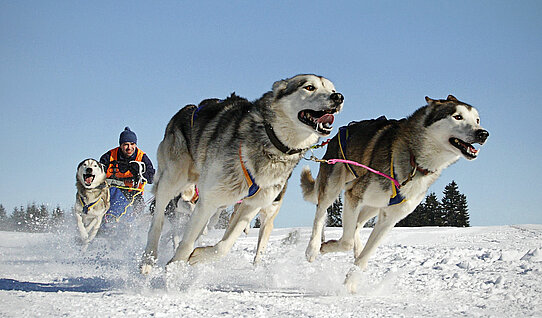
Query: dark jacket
{"points": [[124, 165]]}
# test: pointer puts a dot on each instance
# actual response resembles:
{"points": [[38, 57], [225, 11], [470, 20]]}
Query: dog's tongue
{"points": [[326, 119], [88, 180]]}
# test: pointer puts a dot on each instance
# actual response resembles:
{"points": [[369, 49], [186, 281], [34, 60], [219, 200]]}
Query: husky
{"points": [[92, 199], [414, 151], [235, 149]]}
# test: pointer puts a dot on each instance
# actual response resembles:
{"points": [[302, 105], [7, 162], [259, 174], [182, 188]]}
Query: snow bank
{"points": [[446, 272]]}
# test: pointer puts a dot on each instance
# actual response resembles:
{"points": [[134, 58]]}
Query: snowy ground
{"points": [[431, 272]]}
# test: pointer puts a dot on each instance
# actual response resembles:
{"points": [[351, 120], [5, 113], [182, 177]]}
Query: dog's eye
{"points": [[310, 88], [458, 117]]}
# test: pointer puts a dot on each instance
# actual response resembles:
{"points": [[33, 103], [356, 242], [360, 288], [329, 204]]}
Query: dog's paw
{"points": [[145, 269], [146, 265], [203, 255], [352, 279], [312, 252]]}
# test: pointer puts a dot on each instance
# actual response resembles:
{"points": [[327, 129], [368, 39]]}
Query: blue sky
{"points": [[73, 74]]}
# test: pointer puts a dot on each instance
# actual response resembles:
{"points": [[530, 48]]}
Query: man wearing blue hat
{"points": [[129, 169]]}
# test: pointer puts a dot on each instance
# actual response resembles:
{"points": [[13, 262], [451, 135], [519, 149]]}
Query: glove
{"points": [[138, 168]]}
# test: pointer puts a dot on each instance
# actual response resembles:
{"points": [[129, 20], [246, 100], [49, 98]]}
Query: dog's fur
{"points": [[429, 140], [205, 145], [93, 191]]}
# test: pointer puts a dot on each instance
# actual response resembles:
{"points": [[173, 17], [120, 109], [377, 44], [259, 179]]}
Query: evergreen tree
{"points": [[41, 220], [334, 213], [414, 219], [454, 205], [257, 222], [3, 218], [57, 216], [223, 219], [371, 222], [18, 219], [3, 214], [433, 211]]}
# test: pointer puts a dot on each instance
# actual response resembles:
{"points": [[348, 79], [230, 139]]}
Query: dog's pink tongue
{"points": [[326, 119], [88, 180]]}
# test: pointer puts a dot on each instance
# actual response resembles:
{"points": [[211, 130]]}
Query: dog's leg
{"points": [[387, 218], [167, 189], [198, 220], [93, 228], [244, 215], [267, 217], [365, 215], [325, 199], [349, 220], [81, 227]]}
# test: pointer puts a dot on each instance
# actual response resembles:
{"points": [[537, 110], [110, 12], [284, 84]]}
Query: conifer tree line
{"points": [[32, 218], [452, 210]]}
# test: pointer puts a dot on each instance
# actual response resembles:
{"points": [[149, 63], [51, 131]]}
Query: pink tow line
{"points": [[334, 161]]}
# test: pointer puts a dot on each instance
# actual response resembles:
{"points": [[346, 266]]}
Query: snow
{"points": [[417, 272]]}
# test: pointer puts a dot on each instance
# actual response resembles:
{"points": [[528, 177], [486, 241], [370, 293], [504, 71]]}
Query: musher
{"points": [[129, 169]]}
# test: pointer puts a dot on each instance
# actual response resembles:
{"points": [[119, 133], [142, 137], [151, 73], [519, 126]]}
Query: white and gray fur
{"points": [[298, 110], [434, 136], [91, 188]]}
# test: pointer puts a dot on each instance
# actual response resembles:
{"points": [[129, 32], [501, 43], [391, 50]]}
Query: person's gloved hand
{"points": [[136, 168]]}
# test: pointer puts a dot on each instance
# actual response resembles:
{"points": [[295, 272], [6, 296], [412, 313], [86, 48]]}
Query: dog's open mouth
{"points": [[467, 149], [88, 179], [321, 121]]}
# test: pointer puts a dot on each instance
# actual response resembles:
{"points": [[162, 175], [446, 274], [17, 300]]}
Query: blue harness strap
{"points": [[253, 187], [396, 197], [86, 207]]}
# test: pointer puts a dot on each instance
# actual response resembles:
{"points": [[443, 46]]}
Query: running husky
{"points": [[234, 149], [414, 151], [92, 199]]}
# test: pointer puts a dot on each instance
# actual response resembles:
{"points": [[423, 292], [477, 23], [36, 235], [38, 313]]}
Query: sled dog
{"points": [[413, 151], [92, 199], [235, 149]]}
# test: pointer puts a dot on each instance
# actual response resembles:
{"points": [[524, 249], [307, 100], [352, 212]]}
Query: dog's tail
{"points": [[308, 185]]}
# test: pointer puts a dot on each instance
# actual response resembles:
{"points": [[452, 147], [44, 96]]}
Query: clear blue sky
{"points": [[74, 73]]}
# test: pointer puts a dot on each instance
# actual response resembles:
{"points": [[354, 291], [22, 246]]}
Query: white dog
{"points": [[92, 199]]}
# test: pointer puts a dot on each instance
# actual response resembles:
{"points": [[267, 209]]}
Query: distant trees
{"points": [[334, 212], [452, 210], [33, 218]]}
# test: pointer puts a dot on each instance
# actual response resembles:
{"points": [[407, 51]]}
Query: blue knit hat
{"points": [[127, 136]]}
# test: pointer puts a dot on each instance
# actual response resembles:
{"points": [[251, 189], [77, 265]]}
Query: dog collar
{"points": [[277, 143], [416, 167]]}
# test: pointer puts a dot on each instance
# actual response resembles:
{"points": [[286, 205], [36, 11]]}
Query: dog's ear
{"points": [[429, 100], [279, 87], [452, 98]]}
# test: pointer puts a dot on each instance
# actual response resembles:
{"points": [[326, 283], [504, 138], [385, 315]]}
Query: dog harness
{"points": [[253, 187], [396, 197], [343, 138], [87, 207]]}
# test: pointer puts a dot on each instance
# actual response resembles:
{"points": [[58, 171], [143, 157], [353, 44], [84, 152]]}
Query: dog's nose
{"points": [[481, 135], [337, 98], [89, 170]]}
